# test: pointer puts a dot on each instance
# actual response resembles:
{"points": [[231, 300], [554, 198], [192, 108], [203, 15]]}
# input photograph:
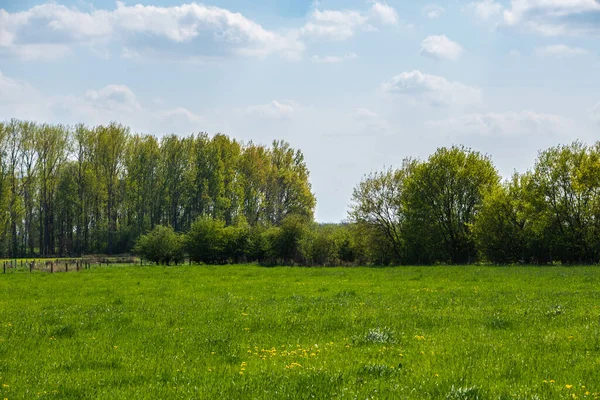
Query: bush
{"points": [[210, 242], [161, 245], [205, 242], [283, 243]]}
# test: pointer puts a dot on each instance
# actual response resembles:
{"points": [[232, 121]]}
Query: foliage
{"points": [[75, 190], [161, 245], [442, 197], [501, 227], [206, 241], [377, 203]]}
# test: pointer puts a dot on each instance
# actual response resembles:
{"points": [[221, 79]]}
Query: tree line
{"points": [[454, 208], [82, 190]]}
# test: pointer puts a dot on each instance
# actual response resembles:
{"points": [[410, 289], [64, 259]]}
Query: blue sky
{"points": [[357, 85]]}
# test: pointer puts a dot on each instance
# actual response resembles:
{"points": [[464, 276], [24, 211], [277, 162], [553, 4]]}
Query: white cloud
{"points": [[560, 50], [486, 10], [433, 11], [441, 47], [113, 98], [431, 89], [274, 110], [555, 17], [504, 124], [333, 24], [545, 17], [383, 13], [343, 24], [181, 120], [18, 99], [333, 59], [514, 53], [189, 30]]}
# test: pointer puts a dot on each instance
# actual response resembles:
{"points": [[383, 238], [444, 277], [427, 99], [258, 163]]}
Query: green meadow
{"points": [[248, 332]]}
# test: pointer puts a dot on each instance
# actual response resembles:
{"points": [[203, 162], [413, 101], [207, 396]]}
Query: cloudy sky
{"points": [[357, 85]]}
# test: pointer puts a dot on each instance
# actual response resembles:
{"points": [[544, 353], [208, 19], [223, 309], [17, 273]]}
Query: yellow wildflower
{"points": [[569, 386]]}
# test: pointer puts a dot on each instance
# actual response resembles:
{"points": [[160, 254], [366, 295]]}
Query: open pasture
{"points": [[268, 333]]}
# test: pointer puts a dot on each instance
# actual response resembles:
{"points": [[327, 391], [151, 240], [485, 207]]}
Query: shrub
{"points": [[206, 242], [160, 245]]}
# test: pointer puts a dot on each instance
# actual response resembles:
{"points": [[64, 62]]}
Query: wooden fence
{"points": [[63, 265]]}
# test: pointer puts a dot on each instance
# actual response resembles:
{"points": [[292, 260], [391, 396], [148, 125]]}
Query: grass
{"points": [[273, 333]]}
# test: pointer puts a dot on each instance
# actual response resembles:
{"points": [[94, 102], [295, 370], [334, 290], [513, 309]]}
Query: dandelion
{"points": [[569, 386], [4, 385], [436, 375]]}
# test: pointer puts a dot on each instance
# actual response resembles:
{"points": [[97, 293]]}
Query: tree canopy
{"points": [[80, 190]]}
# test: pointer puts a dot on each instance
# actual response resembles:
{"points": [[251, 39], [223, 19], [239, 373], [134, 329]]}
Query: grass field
{"points": [[240, 332]]}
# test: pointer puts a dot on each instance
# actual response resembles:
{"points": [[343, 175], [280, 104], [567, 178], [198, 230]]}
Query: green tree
{"points": [[502, 227], [284, 241], [110, 151], [377, 203], [288, 188], [142, 190], [566, 185], [161, 245], [442, 197], [51, 145], [206, 241]]}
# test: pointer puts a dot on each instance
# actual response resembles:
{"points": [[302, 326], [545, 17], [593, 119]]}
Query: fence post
{"points": [[51, 266], [4, 269], [66, 266], [30, 266]]}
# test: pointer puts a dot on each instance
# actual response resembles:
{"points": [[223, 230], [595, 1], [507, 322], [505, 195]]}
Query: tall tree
{"points": [[142, 183], [110, 151], [29, 181], [289, 190], [51, 145]]}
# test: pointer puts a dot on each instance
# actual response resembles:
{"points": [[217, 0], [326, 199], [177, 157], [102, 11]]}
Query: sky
{"points": [[357, 85]]}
